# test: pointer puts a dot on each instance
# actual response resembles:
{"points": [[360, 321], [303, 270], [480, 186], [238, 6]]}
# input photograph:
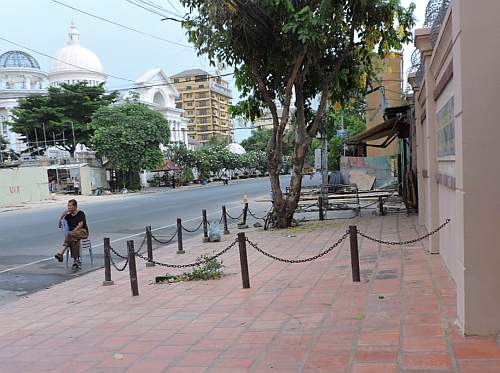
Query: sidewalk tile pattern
{"points": [[307, 318]]}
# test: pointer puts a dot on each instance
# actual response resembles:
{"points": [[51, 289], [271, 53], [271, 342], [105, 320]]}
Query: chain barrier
{"points": [[237, 218], [141, 245], [164, 242], [194, 230], [294, 261], [120, 256], [402, 243], [117, 254], [195, 264], [256, 217]]}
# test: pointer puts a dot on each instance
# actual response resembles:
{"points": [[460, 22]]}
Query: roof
{"points": [[18, 59], [192, 72], [168, 165], [385, 129]]}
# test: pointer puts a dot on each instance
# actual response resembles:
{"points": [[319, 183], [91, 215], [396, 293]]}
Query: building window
{"points": [[201, 86], [176, 80], [188, 88], [200, 78]]}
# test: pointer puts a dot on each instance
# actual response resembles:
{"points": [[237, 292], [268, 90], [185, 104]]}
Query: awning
{"points": [[168, 165], [387, 130]]}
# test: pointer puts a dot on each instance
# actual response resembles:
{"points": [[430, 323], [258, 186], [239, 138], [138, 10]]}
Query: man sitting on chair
{"points": [[77, 230]]}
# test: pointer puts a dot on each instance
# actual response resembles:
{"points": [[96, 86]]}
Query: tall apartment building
{"points": [[205, 99]]}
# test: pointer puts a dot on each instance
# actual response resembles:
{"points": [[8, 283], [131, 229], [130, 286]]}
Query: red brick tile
{"points": [[419, 330], [426, 361], [149, 366], [198, 359], [479, 366], [379, 339], [373, 368], [327, 362], [235, 363], [476, 350], [376, 354], [421, 344]]}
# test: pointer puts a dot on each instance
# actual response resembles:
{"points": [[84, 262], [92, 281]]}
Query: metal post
{"points": [[173, 181], [132, 268], [149, 242], [205, 226], [245, 278], [180, 249], [381, 206], [353, 235], [320, 204], [245, 212], [224, 219], [107, 264]]}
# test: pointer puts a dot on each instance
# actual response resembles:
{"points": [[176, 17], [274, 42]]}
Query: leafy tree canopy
{"points": [[129, 135], [306, 51], [56, 116]]}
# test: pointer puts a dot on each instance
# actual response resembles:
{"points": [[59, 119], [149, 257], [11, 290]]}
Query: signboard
{"points": [[446, 129], [341, 133]]}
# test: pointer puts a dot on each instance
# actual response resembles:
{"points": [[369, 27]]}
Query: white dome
{"points": [[236, 148], [74, 63]]}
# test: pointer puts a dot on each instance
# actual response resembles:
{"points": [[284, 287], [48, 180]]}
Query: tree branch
{"points": [[313, 128], [288, 90]]}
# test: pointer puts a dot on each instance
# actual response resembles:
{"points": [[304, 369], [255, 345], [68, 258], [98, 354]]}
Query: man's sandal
{"points": [[59, 257]]}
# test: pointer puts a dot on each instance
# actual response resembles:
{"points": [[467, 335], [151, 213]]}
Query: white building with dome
{"points": [[74, 63], [20, 76], [154, 89]]}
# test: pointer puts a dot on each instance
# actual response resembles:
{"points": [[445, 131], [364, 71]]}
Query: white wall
{"points": [[23, 184]]}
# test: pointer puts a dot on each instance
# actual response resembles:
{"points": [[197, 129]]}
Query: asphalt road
{"points": [[29, 238]]}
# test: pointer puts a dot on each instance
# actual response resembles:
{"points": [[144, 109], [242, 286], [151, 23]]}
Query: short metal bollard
{"points": [[245, 278], [180, 248], [107, 264], [205, 226], [149, 243], [132, 269], [320, 204], [353, 235], [224, 219], [381, 206], [243, 224]]}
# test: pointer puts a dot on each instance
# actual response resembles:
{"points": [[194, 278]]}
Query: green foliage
{"points": [[63, 110], [129, 135], [209, 270], [299, 50], [258, 140], [6, 153]]}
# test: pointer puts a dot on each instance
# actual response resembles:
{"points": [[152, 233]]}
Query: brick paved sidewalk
{"points": [[295, 318]]}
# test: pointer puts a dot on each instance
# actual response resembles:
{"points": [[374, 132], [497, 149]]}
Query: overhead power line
{"points": [[57, 59], [110, 75], [122, 25], [152, 8]]}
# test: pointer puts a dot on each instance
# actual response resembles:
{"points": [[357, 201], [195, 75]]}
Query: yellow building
{"points": [[388, 95], [205, 99]]}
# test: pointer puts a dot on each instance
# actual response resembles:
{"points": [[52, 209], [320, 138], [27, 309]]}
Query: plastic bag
{"points": [[214, 232]]}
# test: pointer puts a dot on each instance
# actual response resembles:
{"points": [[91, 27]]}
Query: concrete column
{"points": [[478, 151], [423, 43]]}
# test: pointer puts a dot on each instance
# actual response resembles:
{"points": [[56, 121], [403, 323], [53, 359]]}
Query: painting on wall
{"points": [[446, 129]]}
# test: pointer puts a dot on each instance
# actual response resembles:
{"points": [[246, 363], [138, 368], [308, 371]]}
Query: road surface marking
{"points": [[116, 240]]}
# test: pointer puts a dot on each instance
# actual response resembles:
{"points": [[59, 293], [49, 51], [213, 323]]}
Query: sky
{"points": [[43, 25]]}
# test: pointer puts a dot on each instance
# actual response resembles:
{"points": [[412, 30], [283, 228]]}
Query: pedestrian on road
{"points": [[76, 185], [74, 223]]}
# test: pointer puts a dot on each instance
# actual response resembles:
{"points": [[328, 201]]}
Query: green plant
{"points": [[209, 270]]}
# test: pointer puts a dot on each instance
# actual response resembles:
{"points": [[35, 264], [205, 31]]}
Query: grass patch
{"points": [[210, 269]]}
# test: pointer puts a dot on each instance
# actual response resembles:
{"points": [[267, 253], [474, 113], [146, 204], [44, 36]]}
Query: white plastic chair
{"points": [[85, 244]]}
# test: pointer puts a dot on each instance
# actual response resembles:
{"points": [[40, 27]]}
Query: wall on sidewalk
{"points": [[366, 169], [23, 184], [91, 179], [457, 131]]}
